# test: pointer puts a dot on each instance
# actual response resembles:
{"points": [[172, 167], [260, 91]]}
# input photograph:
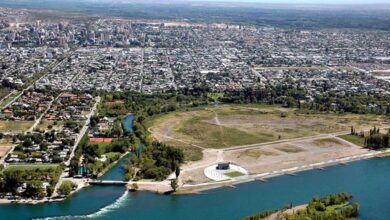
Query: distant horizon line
{"points": [[278, 2], [242, 2]]}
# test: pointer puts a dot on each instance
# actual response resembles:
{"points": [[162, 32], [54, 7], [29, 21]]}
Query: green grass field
{"points": [[232, 125], [15, 126], [214, 95], [290, 149], [42, 167], [4, 92], [44, 124], [353, 139], [191, 153], [234, 174], [327, 141], [9, 98]]}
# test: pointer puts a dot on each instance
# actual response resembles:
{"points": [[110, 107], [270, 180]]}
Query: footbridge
{"points": [[108, 182]]}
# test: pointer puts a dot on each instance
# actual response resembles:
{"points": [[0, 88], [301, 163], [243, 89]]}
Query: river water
{"points": [[367, 180]]}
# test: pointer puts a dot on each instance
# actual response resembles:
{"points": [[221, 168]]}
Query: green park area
{"points": [[32, 167]]}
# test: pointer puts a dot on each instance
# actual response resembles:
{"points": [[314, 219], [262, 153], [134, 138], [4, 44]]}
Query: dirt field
{"points": [[271, 157], [232, 125], [297, 153], [4, 148]]}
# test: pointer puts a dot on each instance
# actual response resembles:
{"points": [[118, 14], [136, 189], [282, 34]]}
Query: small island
{"points": [[336, 206]]}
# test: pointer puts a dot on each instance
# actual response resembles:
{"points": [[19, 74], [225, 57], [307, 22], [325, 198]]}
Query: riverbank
{"points": [[80, 185], [198, 188], [110, 166], [367, 180], [164, 186]]}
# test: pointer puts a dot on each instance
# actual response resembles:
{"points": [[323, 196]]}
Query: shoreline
{"points": [[44, 200], [80, 186], [199, 188]]}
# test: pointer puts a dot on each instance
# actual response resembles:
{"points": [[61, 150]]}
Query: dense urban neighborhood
{"points": [[185, 104]]}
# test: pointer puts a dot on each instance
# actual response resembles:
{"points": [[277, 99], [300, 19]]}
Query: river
{"points": [[367, 180]]}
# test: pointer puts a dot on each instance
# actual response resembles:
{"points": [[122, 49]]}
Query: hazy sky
{"points": [[308, 1], [324, 2]]}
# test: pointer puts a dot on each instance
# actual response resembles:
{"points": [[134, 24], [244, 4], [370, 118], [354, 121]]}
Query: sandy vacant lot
{"points": [[279, 156], [271, 157]]}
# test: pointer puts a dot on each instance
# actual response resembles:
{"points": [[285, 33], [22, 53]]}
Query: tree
{"points": [[12, 179], [134, 187], [35, 189], [27, 143], [43, 146], [73, 166], [174, 184], [94, 121], [49, 190], [177, 171], [130, 172], [66, 188]]}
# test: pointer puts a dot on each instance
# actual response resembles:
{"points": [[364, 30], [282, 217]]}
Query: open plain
{"points": [[261, 139]]}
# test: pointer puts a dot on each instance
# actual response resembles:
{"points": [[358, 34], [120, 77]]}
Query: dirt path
{"points": [[150, 130], [291, 211], [218, 123]]}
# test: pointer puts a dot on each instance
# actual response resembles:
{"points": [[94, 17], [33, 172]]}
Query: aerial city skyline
{"points": [[205, 110]]}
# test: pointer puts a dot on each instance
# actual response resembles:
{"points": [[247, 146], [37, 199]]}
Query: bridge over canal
{"points": [[108, 182]]}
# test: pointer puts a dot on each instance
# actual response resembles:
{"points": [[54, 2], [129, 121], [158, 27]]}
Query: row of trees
{"points": [[376, 140]]}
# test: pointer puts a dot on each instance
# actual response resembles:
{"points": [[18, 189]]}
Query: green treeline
{"points": [[291, 96], [285, 95]]}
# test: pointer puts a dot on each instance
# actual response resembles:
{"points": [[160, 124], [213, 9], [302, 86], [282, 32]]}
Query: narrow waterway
{"points": [[128, 122], [367, 180]]}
